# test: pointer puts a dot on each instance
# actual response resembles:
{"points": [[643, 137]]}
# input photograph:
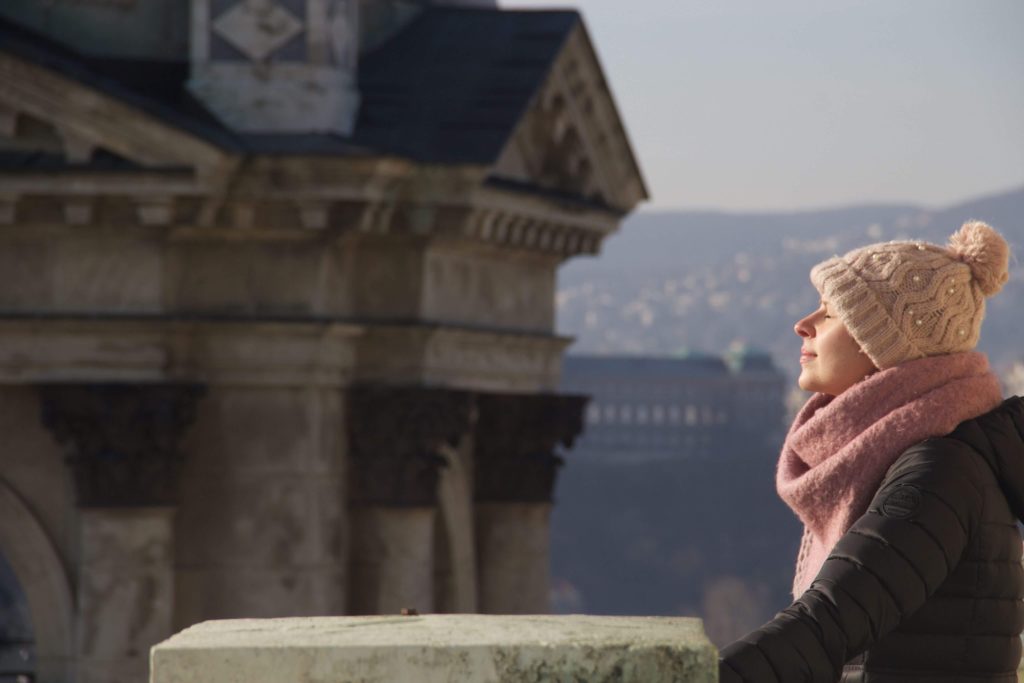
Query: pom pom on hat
{"points": [[986, 252]]}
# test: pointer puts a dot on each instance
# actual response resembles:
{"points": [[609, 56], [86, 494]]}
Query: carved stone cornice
{"points": [[476, 360], [396, 436], [121, 440], [37, 348], [516, 440]]}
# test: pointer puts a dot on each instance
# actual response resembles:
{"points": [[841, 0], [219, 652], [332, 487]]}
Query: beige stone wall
{"points": [[108, 270], [65, 270], [251, 279], [489, 288], [386, 278], [485, 361]]}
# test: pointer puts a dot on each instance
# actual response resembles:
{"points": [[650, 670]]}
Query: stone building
{"points": [[277, 308], [646, 408]]}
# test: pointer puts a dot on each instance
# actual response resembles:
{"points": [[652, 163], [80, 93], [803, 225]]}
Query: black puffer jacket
{"points": [[927, 586]]}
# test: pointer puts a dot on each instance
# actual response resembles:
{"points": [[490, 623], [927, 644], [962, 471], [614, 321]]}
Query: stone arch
{"points": [[454, 550], [44, 580]]}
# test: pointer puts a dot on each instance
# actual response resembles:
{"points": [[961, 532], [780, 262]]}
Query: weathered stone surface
{"points": [[489, 288], [395, 438], [263, 519], [392, 559], [121, 439], [220, 352], [465, 358], [516, 440], [436, 648], [37, 565], [455, 566], [513, 549], [125, 590]]}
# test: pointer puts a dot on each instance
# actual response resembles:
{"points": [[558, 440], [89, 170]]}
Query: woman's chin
{"points": [[806, 382]]}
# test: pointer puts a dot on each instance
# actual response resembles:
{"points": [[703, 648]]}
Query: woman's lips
{"points": [[806, 356]]}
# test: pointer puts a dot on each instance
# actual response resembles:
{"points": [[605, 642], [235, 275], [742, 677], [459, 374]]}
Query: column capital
{"points": [[396, 436], [516, 440], [121, 440]]}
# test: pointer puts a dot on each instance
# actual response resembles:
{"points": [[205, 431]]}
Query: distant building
{"points": [[693, 406]]}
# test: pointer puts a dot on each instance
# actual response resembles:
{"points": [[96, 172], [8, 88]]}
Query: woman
{"points": [[907, 470]]}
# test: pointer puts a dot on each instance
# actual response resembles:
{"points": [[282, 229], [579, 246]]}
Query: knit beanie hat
{"points": [[907, 300]]}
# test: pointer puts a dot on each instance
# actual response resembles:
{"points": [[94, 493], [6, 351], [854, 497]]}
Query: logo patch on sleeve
{"points": [[903, 502]]}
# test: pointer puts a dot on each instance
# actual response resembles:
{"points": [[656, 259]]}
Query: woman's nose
{"points": [[803, 328]]}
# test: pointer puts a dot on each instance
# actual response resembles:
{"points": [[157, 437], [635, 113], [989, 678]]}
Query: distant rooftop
{"points": [[690, 364], [642, 366], [750, 360]]}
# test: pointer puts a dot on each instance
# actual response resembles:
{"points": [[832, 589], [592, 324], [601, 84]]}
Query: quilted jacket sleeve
{"points": [[882, 570]]}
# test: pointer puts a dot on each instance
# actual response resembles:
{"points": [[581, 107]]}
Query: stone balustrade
{"points": [[438, 648]]}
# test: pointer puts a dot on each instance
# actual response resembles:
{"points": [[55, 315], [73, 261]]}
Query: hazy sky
{"points": [[781, 104]]}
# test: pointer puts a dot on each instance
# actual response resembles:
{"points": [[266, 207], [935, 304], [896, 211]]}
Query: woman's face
{"points": [[830, 359]]}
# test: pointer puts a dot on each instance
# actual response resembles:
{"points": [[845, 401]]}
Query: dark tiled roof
{"points": [[452, 85], [448, 88]]}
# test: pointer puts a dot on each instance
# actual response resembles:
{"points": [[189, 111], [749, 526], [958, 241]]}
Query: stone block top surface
{"points": [[438, 648]]}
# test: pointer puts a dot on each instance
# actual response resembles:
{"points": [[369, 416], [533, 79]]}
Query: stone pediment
{"points": [[571, 139], [50, 120]]}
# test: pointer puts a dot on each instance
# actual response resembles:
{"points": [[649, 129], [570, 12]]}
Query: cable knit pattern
{"points": [[907, 300], [839, 448]]}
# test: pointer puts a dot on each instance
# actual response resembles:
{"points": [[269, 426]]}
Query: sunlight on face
{"points": [[830, 359]]}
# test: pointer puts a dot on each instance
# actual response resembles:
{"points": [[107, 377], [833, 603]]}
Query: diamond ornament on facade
{"points": [[257, 27]]}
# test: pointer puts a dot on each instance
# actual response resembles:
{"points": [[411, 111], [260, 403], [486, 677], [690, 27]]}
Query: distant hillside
{"points": [[706, 280]]}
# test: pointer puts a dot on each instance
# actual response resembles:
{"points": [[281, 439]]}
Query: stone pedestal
{"points": [[439, 649]]}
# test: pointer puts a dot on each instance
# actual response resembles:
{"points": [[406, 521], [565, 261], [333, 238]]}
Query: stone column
{"points": [[121, 442], [516, 438], [396, 435]]}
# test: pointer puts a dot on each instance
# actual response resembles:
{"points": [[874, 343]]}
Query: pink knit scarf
{"points": [[839, 448]]}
